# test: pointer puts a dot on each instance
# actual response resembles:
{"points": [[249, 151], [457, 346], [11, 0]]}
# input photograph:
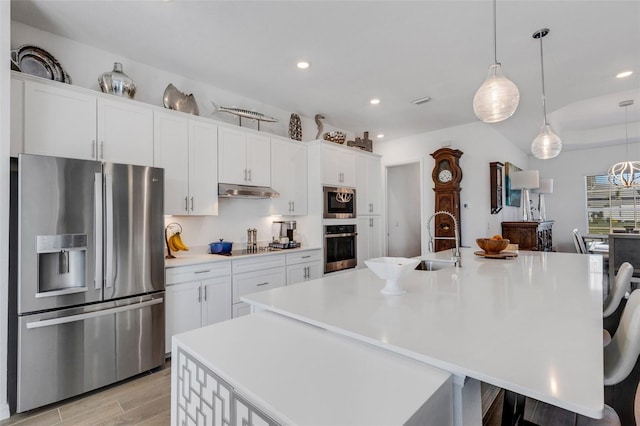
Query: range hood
{"points": [[246, 191]]}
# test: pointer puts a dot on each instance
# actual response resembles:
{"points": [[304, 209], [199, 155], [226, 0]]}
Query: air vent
{"points": [[422, 100]]}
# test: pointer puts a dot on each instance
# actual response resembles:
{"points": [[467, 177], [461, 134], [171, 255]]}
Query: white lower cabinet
{"points": [[304, 266], [369, 238], [196, 296], [254, 274]]}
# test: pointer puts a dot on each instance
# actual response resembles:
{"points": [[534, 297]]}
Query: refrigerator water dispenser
{"points": [[62, 262]]}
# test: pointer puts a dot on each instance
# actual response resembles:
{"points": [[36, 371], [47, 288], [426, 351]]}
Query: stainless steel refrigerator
{"points": [[86, 276]]}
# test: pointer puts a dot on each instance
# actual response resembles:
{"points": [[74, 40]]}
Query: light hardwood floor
{"points": [[143, 400]]}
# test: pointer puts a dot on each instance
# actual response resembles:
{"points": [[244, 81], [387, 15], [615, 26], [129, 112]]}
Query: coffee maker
{"points": [[286, 237]]}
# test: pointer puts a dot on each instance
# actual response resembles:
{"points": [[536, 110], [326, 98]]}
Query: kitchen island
{"points": [[265, 369], [531, 324]]}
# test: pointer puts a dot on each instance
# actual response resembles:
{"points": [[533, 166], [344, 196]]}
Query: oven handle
{"points": [[350, 234]]}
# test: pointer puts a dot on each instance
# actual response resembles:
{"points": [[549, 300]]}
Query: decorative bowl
{"points": [[336, 137], [176, 100], [391, 269], [492, 246]]}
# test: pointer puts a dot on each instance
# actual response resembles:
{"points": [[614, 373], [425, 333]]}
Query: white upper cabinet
{"points": [[68, 122], [289, 177], [244, 157], [125, 132], [368, 184], [203, 168], [59, 122], [187, 150], [338, 165]]}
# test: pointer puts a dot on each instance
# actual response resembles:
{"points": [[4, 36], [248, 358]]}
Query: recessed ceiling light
{"points": [[380, 136], [624, 74], [303, 65], [374, 101]]}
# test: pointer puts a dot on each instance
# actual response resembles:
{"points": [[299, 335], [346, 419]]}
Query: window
{"points": [[611, 207]]}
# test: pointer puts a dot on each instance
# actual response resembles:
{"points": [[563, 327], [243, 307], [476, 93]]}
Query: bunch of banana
{"points": [[176, 244]]}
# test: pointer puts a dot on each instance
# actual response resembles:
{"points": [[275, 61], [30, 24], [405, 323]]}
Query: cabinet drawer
{"points": [[198, 272], [304, 256], [258, 263], [252, 282]]}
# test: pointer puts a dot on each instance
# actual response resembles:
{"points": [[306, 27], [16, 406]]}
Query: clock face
{"points": [[445, 176]]}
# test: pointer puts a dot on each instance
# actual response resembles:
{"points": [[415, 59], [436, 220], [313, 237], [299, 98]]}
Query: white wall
{"points": [[481, 145], [5, 27], [86, 63], [567, 204]]}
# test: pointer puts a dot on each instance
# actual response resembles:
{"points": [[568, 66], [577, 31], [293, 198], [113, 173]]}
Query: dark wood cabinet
{"points": [[529, 235], [495, 181]]}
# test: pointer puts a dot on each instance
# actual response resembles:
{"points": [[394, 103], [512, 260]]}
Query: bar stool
{"points": [[620, 357], [621, 287]]}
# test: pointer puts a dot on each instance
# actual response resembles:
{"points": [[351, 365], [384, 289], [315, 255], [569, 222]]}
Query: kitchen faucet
{"points": [[457, 259]]}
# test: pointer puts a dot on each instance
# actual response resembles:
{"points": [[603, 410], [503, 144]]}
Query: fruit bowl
{"points": [[492, 246], [391, 269]]}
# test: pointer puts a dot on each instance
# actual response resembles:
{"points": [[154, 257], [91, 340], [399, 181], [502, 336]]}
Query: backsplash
{"points": [[235, 216]]}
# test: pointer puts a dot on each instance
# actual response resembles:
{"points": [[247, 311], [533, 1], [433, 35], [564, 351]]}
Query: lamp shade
{"points": [[525, 179], [545, 187], [498, 97]]}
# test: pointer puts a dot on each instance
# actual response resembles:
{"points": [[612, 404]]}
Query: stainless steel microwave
{"points": [[339, 202]]}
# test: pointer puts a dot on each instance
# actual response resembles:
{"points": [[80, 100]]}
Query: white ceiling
{"points": [[394, 50]]}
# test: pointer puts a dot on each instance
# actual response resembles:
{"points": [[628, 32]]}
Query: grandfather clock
{"points": [[446, 175]]}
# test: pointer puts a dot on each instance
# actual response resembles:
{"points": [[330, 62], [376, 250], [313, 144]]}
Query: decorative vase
{"points": [[295, 127], [117, 82]]}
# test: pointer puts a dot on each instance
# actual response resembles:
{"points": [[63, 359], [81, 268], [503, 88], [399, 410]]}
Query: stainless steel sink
{"points": [[434, 265]]}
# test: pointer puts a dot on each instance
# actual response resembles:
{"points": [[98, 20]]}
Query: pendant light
{"points": [[498, 97], [547, 144], [624, 173]]}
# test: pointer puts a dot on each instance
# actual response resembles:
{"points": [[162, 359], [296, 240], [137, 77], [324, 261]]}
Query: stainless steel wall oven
{"points": [[340, 243]]}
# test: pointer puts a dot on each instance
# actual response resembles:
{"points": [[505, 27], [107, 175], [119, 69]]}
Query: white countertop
{"points": [[532, 324], [306, 376], [185, 258]]}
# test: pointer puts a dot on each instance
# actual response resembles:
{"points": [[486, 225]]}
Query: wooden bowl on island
{"points": [[492, 246]]}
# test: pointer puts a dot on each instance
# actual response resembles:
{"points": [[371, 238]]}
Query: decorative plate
{"points": [[33, 60]]}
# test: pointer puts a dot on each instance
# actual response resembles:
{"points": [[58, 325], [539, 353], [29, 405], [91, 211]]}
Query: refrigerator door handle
{"points": [[97, 185], [80, 317], [108, 235]]}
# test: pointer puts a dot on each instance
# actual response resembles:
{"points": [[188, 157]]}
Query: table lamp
{"points": [[525, 180], [545, 187]]}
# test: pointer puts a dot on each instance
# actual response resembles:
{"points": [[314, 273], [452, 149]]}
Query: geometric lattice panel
{"points": [[203, 398], [246, 414]]}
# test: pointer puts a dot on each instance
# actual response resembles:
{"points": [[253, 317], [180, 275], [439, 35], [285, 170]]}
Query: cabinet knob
{"points": [[94, 153], [249, 175], [186, 204], [102, 150], [191, 203]]}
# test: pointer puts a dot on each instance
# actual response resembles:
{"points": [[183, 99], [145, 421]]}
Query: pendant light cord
{"points": [[495, 35], [626, 128], [544, 96]]}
